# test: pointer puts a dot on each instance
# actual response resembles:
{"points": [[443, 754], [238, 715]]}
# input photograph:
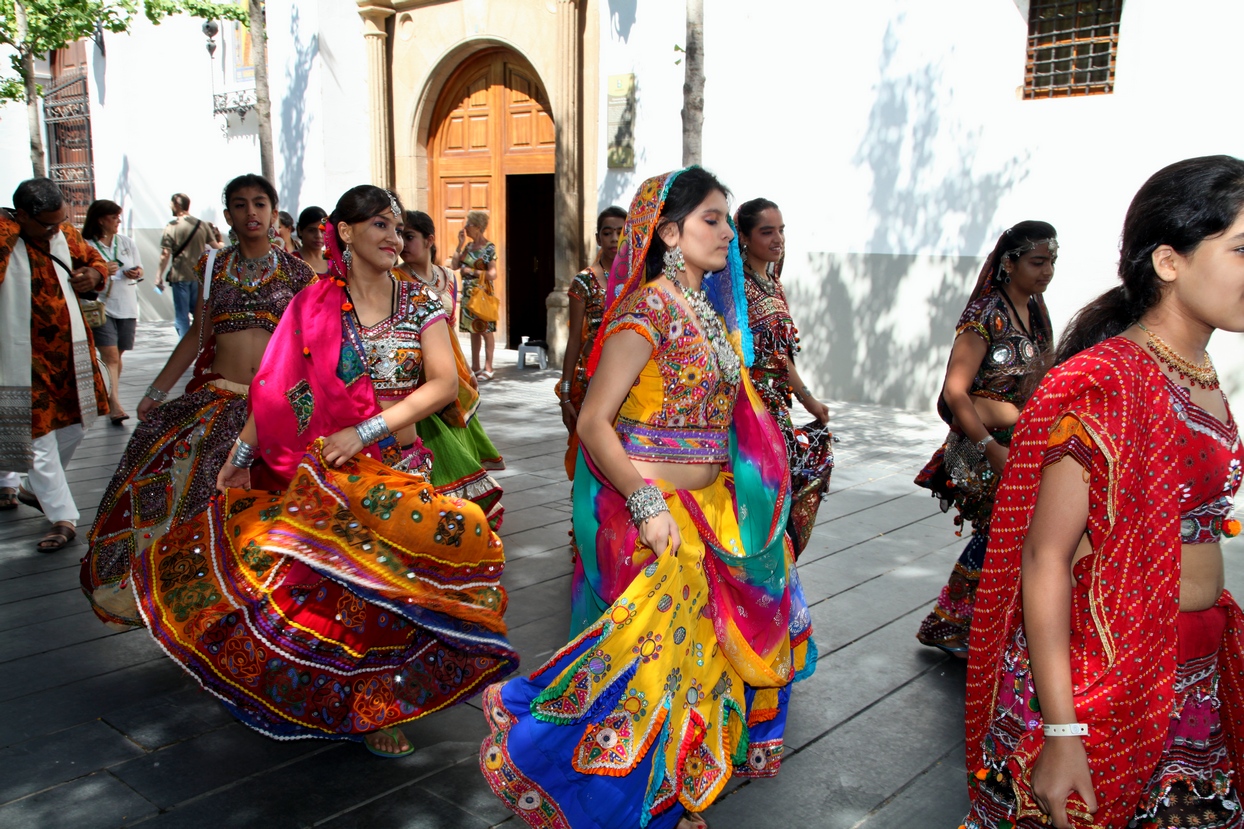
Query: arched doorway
{"points": [[491, 148]]}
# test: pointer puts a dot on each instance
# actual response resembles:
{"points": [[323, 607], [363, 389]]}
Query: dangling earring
{"points": [[233, 236], [743, 252], [674, 263], [1006, 277], [347, 257], [771, 270], [271, 233]]}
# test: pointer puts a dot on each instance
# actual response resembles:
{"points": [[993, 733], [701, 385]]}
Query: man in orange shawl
{"points": [[50, 386]]}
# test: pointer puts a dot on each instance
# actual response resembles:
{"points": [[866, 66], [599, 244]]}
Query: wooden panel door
{"points": [[491, 120]]}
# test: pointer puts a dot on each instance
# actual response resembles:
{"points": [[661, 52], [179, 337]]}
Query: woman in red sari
{"points": [[1102, 593]]}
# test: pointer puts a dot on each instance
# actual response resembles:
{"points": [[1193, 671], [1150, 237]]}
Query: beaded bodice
{"points": [[391, 351], [253, 294], [774, 337], [1009, 353], [679, 409]]}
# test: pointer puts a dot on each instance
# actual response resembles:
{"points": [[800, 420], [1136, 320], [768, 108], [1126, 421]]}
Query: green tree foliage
{"points": [[54, 24]]}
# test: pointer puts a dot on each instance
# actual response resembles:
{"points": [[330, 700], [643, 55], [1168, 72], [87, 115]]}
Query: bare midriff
{"points": [[1201, 574], [239, 353], [995, 414], [689, 476]]}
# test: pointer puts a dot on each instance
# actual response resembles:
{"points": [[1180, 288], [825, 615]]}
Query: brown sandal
{"points": [[8, 498], [57, 538]]}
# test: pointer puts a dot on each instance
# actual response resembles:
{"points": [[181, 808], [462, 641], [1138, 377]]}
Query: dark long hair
{"points": [[310, 216], [250, 180], [692, 186], [422, 222], [748, 214], [1181, 205], [358, 204], [99, 209]]}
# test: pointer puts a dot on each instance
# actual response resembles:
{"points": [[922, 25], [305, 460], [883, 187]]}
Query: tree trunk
{"points": [[263, 101], [32, 92], [693, 85]]}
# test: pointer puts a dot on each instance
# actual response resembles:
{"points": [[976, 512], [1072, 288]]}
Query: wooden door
{"points": [[491, 120]]}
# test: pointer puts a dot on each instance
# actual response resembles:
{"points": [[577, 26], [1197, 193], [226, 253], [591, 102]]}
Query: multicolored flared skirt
{"points": [[644, 715], [461, 458], [358, 599], [168, 473], [950, 621], [1192, 784]]}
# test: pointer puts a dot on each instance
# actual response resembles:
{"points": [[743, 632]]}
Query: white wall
{"points": [[893, 135], [154, 132]]}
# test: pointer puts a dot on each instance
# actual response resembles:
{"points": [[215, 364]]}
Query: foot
{"points": [[388, 742], [692, 820], [8, 498], [28, 498], [57, 538]]}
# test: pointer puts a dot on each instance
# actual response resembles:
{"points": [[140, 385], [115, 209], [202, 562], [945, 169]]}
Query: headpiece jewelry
{"points": [[397, 211]]}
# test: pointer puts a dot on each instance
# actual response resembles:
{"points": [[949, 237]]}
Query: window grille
{"points": [[1071, 47]]}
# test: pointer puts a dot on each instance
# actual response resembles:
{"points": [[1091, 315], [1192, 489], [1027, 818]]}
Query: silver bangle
{"points": [[1074, 729], [158, 395], [564, 386], [372, 430], [644, 503], [244, 455]]}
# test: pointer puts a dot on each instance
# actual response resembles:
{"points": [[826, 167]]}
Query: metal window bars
{"points": [[1071, 47]]}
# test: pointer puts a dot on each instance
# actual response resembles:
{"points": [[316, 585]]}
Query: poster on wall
{"points": [[621, 124]]}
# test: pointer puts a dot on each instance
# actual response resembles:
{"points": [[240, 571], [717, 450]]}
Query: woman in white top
{"points": [[120, 294]]}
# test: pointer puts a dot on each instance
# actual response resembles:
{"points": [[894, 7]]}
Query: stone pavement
{"points": [[101, 729]]}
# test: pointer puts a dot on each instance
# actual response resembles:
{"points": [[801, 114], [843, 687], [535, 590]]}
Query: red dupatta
{"points": [[1124, 625]]}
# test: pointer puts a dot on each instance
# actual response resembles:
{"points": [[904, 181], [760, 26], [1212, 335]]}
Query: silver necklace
{"points": [[253, 272], [727, 360]]}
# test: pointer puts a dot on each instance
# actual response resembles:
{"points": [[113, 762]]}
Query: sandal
{"points": [[8, 498], [484, 375], [117, 421], [397, 736], [57, 538], [28, 498], [959, 651]]}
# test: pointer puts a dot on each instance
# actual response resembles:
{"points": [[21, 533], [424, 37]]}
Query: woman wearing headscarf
{"points": [[1002, 343], [689, 624]]}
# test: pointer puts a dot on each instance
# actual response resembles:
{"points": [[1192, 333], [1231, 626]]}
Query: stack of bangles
{"points": [[244, 456], [372, 430], [563, 391], [158, 395], [644, 503]]}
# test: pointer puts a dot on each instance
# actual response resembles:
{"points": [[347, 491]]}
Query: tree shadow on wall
{"points": [[294, 113], [618, 185], [622, 18], [881, 332]]}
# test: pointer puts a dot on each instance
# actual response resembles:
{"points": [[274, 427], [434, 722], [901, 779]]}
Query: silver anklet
{"points": [[644, 503], [372, 430], [244, 457]]}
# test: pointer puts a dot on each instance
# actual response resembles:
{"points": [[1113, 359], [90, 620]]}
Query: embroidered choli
{"points": [[391, 351], [1209, 455], [774, 338], [235, 306], [586, 288], [680, 407], [1010, 353]]}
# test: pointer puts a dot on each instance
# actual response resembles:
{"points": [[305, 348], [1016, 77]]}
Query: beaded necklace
{"points": [[1203, 375], [727, 360]]}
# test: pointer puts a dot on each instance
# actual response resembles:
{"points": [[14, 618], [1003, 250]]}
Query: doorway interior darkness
{"points": [[529, 266]]}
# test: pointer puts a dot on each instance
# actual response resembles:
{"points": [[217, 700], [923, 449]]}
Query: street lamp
{"points": [[211, 28]]}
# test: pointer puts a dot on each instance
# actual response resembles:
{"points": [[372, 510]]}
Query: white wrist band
{"points": [[1074, 729]]}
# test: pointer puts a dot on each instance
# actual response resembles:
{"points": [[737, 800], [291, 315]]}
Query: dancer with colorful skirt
{"points": [[1002, 346], [586, 307], [358, 598], [809, 448], [168, 472], [1106, 680], [689, 622], [464, 453]]}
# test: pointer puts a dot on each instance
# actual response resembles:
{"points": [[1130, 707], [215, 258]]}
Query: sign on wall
{"points": [[621, 126]]}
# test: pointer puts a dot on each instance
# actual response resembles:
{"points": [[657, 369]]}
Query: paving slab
{"points": [[102, 729]]}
